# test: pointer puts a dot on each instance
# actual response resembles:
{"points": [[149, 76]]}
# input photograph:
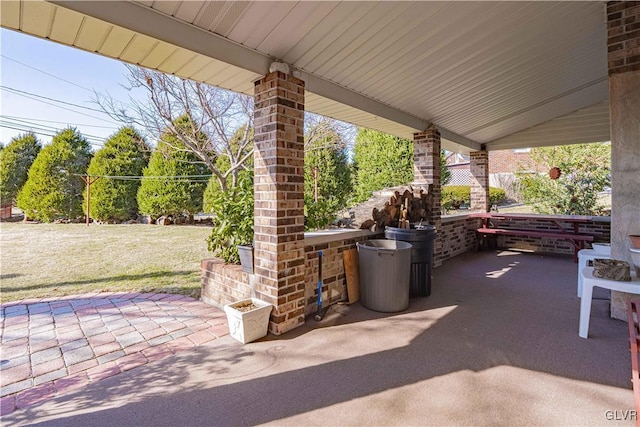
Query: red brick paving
{"points": [[72, 328]]}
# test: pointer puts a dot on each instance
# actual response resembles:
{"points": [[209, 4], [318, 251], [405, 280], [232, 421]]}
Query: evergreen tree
{"points": [[54, 187], [124, 154], [380, 161], [327, 159], [172, 196], [15, 160]]}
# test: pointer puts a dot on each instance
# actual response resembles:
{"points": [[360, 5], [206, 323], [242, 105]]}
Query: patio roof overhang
{"points": [[494, 74]]}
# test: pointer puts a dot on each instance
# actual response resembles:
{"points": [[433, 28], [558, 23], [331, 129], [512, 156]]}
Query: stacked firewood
{"points": [[402, 209]]}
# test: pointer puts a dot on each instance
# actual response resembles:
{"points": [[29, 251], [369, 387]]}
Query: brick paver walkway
{"points": [[51, 346]]}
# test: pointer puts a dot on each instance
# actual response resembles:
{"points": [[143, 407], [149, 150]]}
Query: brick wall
{"points": [[458, 235], [226, 283], [334, 287], [223, 283], [623, 36]]}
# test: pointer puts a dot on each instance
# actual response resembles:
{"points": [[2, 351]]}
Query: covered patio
{"points": [[495, 344], [467, 77], [497, 341]]}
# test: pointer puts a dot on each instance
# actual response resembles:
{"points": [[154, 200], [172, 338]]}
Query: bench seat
{"points": [[577, 240], [551, 234]]}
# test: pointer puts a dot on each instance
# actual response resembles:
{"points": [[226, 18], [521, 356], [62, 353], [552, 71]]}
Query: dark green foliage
{"points": [[232, 219], [586, 170], [54, 189], [454, 196], [15, 160], [124, 154], [172, 196], [380, 160], [327, 156]]}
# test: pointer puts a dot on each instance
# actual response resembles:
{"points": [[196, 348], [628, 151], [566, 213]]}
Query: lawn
{"points": [[51, 260]]}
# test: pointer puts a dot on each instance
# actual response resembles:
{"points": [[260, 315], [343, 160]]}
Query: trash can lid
{"points": [[411, 234], [376, 244]]}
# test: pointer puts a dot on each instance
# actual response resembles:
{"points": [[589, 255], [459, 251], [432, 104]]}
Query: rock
{"points": [[163, 220]]}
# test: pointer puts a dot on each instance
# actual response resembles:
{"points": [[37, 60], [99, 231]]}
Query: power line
{"points": [[18, 92], [44, 72], [65, 108], [20, 118], [45, 127], [175, 178], [44, 132]]}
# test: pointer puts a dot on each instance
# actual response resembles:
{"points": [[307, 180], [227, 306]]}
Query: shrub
{"points": [[232, 219], [15, 160], [54, 187], [124, 154], [380, 160], [455, 196], [328, 156], [586, 171], [159, 195]]}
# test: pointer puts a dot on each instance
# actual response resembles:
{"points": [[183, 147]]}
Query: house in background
{"points": [[503, 165]]}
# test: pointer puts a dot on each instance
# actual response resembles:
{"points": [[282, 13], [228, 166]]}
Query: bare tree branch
{"points": [[215, 116]]}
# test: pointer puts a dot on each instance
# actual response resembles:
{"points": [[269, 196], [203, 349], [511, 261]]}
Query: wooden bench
{"points": [[576, 239]]}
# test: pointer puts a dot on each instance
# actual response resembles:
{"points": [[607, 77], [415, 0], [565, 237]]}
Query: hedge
{"points": [[454, 196]]}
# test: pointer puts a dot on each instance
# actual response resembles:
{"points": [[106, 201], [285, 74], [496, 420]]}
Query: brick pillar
{"points": [[426, 173], [480, 181], [623, 47], [279, 200]]}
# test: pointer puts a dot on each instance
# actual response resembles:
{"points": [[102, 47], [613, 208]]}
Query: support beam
{"points": [[279, 198], [426, 173], [624, 99], [480, 181]]}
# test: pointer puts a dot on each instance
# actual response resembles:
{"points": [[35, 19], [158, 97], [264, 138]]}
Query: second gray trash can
{"points": [[385, 271]]}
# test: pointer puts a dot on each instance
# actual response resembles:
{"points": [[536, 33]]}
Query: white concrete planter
{"points": [[247, 326]]}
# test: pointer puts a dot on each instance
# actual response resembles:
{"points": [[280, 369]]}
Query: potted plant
{"points": [[232, 235], [248, 319]]}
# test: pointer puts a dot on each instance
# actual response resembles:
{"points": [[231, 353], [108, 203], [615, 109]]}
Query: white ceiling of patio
{"points": [[503, 74]]}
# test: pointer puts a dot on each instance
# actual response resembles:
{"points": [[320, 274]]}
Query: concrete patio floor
{"points": [[495, 344]]}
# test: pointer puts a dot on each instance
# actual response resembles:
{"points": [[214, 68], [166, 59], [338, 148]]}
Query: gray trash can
{"points": [[385, 271]]}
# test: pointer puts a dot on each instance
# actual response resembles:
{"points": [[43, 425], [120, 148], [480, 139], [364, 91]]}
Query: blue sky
{"points": [[30, 65]]}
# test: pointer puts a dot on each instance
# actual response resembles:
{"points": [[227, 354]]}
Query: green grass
{"points": [[51, 260]]}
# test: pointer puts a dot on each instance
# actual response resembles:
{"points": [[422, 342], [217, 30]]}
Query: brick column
{"points": [[623, 47], [480, 181], [279, 200], [426, 173]]}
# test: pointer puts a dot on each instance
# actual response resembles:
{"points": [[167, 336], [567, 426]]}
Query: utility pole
{"points": [[88, 179]]}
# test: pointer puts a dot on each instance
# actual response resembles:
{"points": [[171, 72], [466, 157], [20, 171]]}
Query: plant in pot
{"points": [[233, 222], [248, 319]]}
